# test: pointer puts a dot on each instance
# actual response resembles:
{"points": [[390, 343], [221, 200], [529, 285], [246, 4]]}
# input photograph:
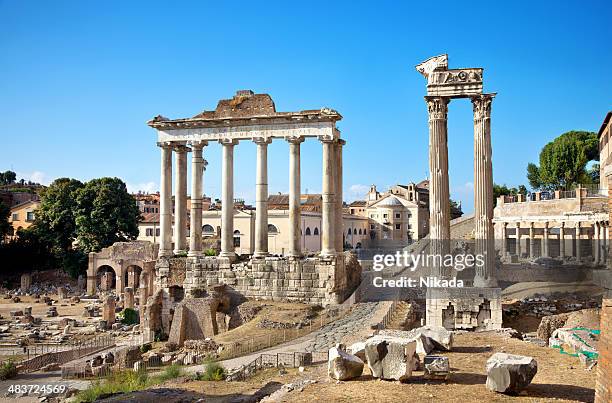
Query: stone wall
{"points": [[196, 318], [603, 389]]}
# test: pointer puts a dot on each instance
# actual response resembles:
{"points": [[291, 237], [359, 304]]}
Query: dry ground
{"points": [[560, 378]]}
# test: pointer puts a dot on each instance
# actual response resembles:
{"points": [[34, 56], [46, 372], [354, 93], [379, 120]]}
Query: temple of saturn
{"points": [[184, 272], [468, 307]]}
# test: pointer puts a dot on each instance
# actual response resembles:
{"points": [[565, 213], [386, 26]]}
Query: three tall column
{"points": [[328, 221], [483, 190], [439, 195], [180, 200], [165, 201]]}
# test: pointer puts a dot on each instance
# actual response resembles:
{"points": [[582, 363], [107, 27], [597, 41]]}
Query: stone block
{"points": [[507, 373]]}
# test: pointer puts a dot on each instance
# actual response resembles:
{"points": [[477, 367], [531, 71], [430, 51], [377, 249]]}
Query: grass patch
{"points": [[8, 370], [213, 371], [125, 382]]}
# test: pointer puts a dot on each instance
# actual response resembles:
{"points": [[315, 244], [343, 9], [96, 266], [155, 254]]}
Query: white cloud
{"points": [[36, 177], [357, 192], [465, 190], [147, 187]]}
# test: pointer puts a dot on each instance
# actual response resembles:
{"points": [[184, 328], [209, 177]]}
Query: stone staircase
{"points": [[405, 317]]}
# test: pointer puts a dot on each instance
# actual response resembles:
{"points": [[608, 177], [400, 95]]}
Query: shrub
{"points": [[213, 371], [128, 316], [145, 347], [119, 382], [8, 370], [171, 372], [210, 252]]}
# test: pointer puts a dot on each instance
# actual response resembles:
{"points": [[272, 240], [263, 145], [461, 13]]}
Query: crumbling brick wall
{"points": [[603, 389]]}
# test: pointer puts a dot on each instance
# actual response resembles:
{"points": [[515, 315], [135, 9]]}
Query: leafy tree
{"points": [[55, 219], [5, 226], [106, 213], [563, 161], [7, 177], [593, 173], [503, 190]]}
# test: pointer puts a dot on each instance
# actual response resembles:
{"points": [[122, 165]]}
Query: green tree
{"points": [[106, 213], [55, 220], [563, 161], [7, 177], [5, 226], [503, 190]]}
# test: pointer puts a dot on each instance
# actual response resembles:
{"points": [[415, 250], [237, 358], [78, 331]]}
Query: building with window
{"points": [[22, 215], [605, 152]]}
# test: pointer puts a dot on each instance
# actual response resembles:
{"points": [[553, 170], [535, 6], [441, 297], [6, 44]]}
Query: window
{"points": [[149, 232], [398, 226], [236, 239], [349, 232], [30, 216], [308, 231], [385, 215], [371, 226], [272, 229], [157, 232], [364, 231], [398, 215], [359, 231], [15, 217], [316, 231], [208, 229]]}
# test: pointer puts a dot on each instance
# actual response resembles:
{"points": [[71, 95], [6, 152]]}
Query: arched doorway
{"points": [[106, 278]]}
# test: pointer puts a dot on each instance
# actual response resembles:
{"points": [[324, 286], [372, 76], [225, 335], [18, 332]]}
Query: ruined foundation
{"points": [[467, 308]]}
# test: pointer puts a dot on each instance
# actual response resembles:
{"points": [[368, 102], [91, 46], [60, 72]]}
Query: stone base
{"points": [[467, 308], [324, 281]]}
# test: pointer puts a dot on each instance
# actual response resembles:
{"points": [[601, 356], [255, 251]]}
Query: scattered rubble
{"points": [[507, 373], [342, 365]]}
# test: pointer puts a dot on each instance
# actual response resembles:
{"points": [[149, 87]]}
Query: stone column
{"points": [[198, 165], [483, 190], [439, 197], [143, 290], [532, 240], [295, 244], [328, 221], [261, 197], [180, 200], [128, 297], [338, 185], [595, 242], [227, 199], [518, 239], [545, 244], [562, 240], [578, 248], [165, 201], [108, 310], [504, 245]]}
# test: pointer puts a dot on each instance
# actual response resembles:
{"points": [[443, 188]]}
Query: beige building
{"points": [[22, 215], [605, 151], [400, 214]]}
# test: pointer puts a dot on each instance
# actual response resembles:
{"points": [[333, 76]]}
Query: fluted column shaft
{"points": [[562, 240], [295, 194], [546, 252], [439, 197], [504, 236], [518, 239], [198, 165], [180, 200], [483, 190], [261, 198], [339, 243], [595, 245], [328, 245], [227, 199], [532, 241], [165, 201], [578, 248]]}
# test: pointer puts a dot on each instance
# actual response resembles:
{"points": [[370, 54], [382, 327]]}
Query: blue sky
{"points": [[79, 79]]}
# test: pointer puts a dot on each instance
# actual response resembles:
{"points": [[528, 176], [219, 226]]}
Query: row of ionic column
{"points": [[599, 240], [439, 196], [332, 240]]}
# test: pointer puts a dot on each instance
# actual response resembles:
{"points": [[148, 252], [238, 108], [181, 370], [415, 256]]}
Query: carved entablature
{"points": [[437, 107], [482, 106], [453, 83]]}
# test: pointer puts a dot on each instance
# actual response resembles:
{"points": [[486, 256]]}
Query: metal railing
{"points": [[285, 360]]}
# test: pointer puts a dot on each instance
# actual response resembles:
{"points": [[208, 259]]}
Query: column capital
{"points": [[295, 139], [197, 144], [437, 107], [482, 105], [180, 148], [562, 224], [327, 139], [228, 142], [164, 144], [262, 140]]}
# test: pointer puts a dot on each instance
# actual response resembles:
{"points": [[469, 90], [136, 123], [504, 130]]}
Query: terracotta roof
{"points": [[359, 203], [150, 217]]}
